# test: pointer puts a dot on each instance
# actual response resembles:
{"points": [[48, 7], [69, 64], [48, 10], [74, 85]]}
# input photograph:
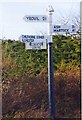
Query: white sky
{"points": [[40, 0], [12, 13]]}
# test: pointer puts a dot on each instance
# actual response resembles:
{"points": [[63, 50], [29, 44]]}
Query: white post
{"points": [[50, 24]]}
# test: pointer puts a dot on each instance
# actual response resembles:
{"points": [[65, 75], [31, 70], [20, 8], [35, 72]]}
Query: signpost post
{"points": [[50, 66]]}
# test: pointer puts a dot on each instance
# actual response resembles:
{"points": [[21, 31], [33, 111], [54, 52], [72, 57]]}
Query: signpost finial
{"points": [[50, 9]]}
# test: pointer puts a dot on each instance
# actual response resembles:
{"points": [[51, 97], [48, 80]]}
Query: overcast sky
{"points": [[40, 0], [12, 13]]}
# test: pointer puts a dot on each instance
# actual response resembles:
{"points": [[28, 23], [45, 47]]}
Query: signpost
{"points": [[39, 42], [35, 18], [63, 29]]}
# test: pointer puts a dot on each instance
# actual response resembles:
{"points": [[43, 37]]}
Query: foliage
{"points": [[18, 60], [66, 50], [25, 86]]}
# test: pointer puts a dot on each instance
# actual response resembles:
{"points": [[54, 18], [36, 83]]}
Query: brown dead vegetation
{"points": [[27, 97]]}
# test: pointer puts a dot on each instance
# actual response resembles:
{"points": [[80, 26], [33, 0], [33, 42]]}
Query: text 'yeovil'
{"points": [[35, 18]]}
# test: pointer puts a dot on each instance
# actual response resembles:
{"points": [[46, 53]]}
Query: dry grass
{"points": [[67, 90], [27, 97]]}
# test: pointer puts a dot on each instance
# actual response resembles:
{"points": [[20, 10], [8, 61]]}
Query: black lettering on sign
{"points": [[67, 30], [44, 18], [61, 30], [27, 18], [40, 37], [57, 26], [73, 26], [73, 30], [32, 18], [37, 18], [30, 43], [55, 30]]}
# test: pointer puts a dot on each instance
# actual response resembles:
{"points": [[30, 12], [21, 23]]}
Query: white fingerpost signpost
{"points": [[39, 42]]}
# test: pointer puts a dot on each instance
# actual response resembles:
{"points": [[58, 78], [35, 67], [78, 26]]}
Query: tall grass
{"points": [[27, 97]]}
